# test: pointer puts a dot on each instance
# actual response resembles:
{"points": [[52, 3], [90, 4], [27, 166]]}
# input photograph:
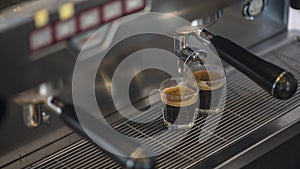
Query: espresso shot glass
{"points": [[211, 80], [179, 103]]}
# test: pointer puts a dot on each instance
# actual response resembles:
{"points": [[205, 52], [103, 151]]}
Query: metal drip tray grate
{"points": [[247, 108]]}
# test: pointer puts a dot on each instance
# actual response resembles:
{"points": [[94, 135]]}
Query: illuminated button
{"points": [[112, 10], [89, 19], [134, 5], [66, 11], [65, 29], [40, 38], [41, 18]]}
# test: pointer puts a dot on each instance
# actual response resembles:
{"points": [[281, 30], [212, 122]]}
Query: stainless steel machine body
{"points": [[252, 124]]}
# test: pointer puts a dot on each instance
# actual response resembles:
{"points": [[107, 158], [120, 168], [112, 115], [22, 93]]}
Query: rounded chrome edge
{"points": [[276, 81]]}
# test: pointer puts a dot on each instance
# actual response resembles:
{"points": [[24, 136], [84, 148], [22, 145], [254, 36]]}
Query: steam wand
{"points": [[130, 154]]}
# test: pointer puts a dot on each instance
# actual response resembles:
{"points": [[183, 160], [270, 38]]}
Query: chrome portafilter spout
{"points": [[278, 82], [33, 99], [186, 54]]}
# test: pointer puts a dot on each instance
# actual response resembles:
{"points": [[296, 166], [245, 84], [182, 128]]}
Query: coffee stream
{"points": [[210, 86], [181, 101]]}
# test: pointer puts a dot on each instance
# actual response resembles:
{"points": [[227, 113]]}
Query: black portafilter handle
{"points": [[295, 4], [126, 145], [275, 80]]}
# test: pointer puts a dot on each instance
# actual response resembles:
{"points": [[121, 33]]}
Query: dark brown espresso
{"points": [[179, 105], [207, 90]]}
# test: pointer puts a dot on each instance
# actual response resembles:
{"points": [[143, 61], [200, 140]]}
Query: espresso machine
{"points": [[42, 41]]}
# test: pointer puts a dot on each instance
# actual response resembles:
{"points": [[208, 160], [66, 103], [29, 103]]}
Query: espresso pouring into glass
{"points": [[211, 81], [182, 100]]}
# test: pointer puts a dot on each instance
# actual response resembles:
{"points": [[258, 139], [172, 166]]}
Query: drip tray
{"points": [[248, 109]]}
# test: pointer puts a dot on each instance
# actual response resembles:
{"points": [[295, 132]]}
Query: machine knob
{"points": [[253, 8]]}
